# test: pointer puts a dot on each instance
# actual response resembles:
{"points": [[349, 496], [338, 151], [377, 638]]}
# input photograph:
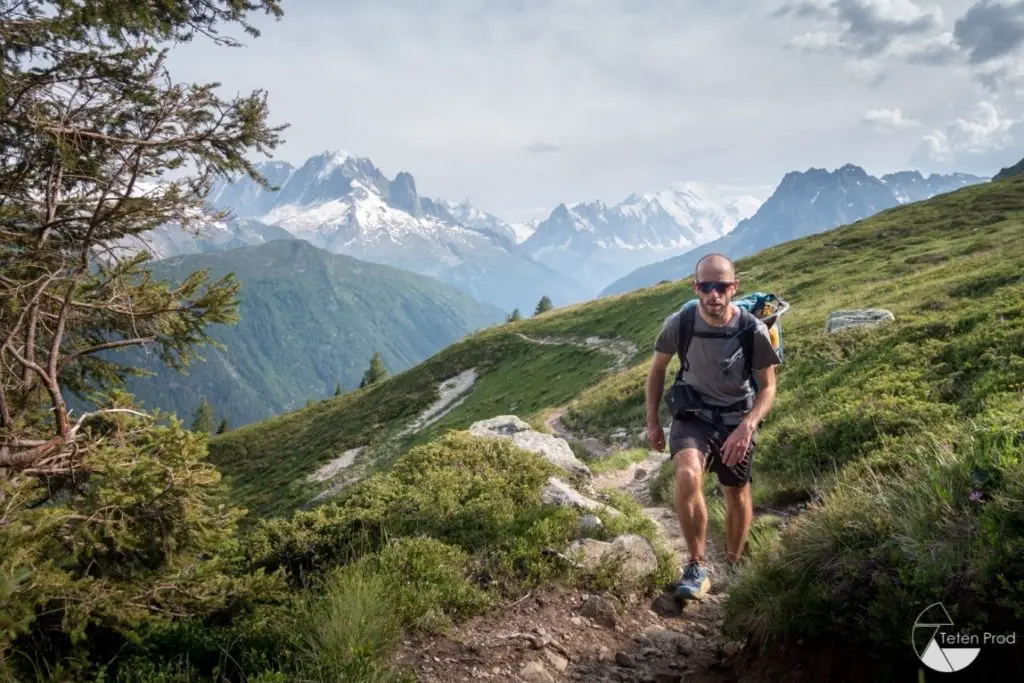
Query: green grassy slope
{"points": [[909, 433], [921, 261], [308, 320], [1010, 171]]}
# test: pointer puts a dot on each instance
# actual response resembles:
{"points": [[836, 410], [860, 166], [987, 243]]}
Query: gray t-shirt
{"points": [[716, 365]]}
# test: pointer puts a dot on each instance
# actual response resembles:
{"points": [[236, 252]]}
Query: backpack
{"points": [[766, 307]]}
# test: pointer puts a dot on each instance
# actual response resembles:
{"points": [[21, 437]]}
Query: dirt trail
{"points": [[620, 350], [556, 635]]}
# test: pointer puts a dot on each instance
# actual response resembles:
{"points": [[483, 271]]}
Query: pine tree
{"points": [[338, 390], [543, 305], [375, 372], [223, 426], [513, 316], [100, 145], [203, 418]]}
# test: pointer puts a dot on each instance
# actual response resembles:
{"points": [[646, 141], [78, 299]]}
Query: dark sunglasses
{"points": [[707, 287]]}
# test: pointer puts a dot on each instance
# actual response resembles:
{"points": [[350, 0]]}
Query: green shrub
{"points": [[859, 568]]}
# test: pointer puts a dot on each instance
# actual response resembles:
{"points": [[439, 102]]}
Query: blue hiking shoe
{"points": [[695, 582]]}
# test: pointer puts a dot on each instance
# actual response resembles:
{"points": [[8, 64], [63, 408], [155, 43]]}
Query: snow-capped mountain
{"points": [[346, 205], [911, 186], [470, 216], [804, 203], [596, 243]]}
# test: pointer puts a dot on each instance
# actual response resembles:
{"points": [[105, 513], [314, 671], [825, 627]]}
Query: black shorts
{"points": [[708, 440]]}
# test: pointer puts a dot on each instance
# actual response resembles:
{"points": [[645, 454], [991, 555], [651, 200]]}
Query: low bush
{"points": [[857, 569]]}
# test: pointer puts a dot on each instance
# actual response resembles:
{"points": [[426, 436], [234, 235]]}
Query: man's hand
{"points": [[736, 445], [656, 435], [655, 385]]}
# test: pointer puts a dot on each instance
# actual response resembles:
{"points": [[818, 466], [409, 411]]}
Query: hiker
{"points": [[716, 412]]}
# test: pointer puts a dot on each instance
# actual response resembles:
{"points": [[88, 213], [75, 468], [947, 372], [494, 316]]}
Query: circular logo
{"points": [[933, 634]]}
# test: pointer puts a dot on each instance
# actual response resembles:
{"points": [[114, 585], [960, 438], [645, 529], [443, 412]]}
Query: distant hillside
{"points": [[309, 319], [804, 203], [1016, 169]]}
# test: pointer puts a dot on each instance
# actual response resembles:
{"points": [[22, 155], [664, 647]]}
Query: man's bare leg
{"points": [[739, 511], [690, 506]]}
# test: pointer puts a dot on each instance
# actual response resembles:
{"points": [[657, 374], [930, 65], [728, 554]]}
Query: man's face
{"points": [[715, 286]]}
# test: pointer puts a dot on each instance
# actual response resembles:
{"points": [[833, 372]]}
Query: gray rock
{"points": [[534, 672], [632, 552], [666, 639], [557, 661], [590, 523], [557, 492], [600, 610], [841, 320], [553, 449], [625, 659]]}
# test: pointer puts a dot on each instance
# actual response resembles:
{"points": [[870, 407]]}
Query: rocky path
{"points": [[563, 635]]}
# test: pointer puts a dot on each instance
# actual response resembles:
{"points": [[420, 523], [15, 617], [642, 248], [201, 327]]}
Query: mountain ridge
{"points": [[803, 203]]}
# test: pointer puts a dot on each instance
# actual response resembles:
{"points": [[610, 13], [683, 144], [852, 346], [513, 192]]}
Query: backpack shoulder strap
{"points": [[748, 326], [687, 319]]}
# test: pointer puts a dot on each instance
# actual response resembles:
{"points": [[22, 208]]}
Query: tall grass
{"points": [[948, 527]]}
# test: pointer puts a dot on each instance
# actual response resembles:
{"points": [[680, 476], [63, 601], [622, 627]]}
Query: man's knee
{"points": [[688, 470], [737, 495]]}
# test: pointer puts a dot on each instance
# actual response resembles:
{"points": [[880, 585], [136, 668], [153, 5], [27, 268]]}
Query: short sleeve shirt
{"points": [[716, 365]]}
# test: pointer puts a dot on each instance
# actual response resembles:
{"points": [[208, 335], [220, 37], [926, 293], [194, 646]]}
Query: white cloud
{"points": [[987, 137], [635, 95], [817, 41], [889, 120], [1002, 75]]}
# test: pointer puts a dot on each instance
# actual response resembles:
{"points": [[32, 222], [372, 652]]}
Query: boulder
{"points": [[841, 320], [557, 492], [553, 449], [632, 552]]}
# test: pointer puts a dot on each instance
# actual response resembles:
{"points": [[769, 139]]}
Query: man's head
{"points": [[715, 284]]}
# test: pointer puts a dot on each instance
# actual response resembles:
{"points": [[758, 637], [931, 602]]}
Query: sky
{"points": [[519, 105]]}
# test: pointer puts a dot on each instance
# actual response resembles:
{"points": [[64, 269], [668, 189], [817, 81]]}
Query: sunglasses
{"points": [[706, 287]]}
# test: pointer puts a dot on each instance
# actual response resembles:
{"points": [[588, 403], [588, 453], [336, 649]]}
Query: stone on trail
{"points": [[841, 320], [599, 610], [534, 672], [553, 449], [631, 551]]}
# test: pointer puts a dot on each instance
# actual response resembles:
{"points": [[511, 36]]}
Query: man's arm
{"points": [[655, 387], [765, 396]]}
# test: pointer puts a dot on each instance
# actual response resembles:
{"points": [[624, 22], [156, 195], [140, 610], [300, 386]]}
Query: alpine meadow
{"points": [[477, 498]]}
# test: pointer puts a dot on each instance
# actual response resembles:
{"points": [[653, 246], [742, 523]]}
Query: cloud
{"points": [[889, 120], [865, 27], [990, 30], [635, 97], [984, 141], [542, 147], [940, 50], [1002, 75]]}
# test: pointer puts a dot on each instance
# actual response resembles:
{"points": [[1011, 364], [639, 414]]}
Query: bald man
{"points": [[720, 436]]}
